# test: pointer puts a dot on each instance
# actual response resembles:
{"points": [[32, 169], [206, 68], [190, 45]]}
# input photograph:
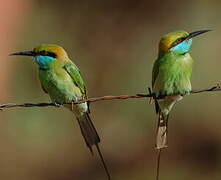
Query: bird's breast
{"points": [[174, 72]]}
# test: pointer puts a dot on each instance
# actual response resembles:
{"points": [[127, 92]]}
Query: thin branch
{"points": [[214, 88], [150, 94], [11, 105], [104, 98]]}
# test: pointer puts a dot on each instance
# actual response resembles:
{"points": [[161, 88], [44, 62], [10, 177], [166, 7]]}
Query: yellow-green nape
{"points": [[168, 39], [53, 48]]}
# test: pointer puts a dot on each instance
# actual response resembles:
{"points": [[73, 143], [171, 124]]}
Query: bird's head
{"points": [[178, 41], [45, 53]]}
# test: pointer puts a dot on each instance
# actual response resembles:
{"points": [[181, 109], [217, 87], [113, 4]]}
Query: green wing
{"points": [[75, 74], [154, 77], [155, 71]]}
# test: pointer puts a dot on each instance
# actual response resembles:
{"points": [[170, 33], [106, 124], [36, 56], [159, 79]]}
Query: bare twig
{"points": [[149, 95], [104, 98], [214, 88], [11, 105]]}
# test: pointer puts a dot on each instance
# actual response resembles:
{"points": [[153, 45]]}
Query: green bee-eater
{"points": [[171, 76], [62, 80]]}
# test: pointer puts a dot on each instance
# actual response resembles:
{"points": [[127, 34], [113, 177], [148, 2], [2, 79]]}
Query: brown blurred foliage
{"points": [[114, 43]]}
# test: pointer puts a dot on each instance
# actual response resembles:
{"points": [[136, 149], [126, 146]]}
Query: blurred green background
{"points": [[114, 43]]}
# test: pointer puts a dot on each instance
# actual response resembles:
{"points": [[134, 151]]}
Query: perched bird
{"points": [[171, 77], [62, 80]]}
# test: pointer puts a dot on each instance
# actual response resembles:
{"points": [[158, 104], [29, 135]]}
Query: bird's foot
{"points": [[73, 102], [57, 105], [72, 105]]}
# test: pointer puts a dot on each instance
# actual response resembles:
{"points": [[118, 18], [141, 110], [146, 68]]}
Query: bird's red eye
{"points": [[179, 40]]}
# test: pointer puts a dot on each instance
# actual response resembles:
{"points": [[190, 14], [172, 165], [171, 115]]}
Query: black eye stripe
{"points": [[47, 53], [52, 54]]}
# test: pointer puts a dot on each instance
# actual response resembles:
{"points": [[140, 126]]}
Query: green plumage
{"points": [[61, 80], [171, 77]]}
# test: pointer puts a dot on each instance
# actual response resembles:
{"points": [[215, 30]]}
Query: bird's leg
{"points": [[76, 99], [72, 105]]}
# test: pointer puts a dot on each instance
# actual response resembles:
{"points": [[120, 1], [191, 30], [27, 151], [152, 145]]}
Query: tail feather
{"points": [[162, 131], [91, 137], [88, 131], [103, 162]]}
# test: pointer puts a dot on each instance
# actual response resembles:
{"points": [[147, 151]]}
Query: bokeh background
{"points": [[114, 43]]}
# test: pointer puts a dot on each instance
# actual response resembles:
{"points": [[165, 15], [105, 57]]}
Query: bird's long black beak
{"points": [[24, 53], [196, 33]]}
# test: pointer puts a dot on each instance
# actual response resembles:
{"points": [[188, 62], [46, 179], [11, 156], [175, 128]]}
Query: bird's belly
{"points": [[172, 87], [170, 83], [174, 75], [173, 80], [60, 88]]}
